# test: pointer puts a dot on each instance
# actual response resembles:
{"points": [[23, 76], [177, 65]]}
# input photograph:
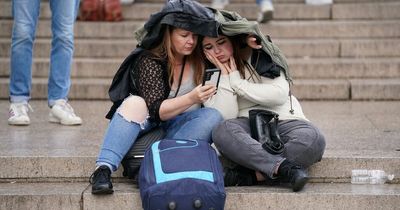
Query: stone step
{"points": [[316, 68], [313, 196], [318, 29], [250, 1], [331, 169], [332, 29], [359, 135], [310, 89], [344, 68], [142, 11], [283, 11], [98, 48], [366, 89], [98, 89], [46, 196], [369, 10], [41, 196], [80, 88]]}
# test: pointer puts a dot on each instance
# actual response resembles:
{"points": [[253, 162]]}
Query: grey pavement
{"points": [[352, 128], [359, 134]]}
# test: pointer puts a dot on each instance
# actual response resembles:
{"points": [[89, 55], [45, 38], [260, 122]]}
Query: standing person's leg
{"points": [[304, 143], [266, 10], [197, 124], [25, 14], [62, 48]]}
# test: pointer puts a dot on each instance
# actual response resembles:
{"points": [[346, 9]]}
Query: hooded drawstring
{"points": [[287, 79]]}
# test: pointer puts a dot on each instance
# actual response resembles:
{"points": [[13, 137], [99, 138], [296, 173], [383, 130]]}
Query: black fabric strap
{"points": [[180, 76]]}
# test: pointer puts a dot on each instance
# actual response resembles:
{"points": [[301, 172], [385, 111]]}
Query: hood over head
{"points": [[186, 14]]}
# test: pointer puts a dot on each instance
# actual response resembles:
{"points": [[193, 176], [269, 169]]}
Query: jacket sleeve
{"points": [[270, 92], [225, 100], [151, 82]]}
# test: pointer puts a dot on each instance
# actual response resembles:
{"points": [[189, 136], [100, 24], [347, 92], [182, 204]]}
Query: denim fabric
{"points": [[26, 15], [258, 2], [196, 124], [119, 138], [121, 134]]}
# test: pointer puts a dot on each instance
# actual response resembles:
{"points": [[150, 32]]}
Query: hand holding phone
{"points": [[211, 77]]}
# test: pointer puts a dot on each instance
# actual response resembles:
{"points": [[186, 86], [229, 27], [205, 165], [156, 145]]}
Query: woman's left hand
{"points": [[252, 42]]}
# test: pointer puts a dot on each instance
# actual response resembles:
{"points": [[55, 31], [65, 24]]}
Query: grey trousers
{"points": [[304, 144]]}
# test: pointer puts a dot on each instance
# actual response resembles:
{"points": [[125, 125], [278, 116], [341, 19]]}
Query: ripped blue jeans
{"points": [[121, 134]]}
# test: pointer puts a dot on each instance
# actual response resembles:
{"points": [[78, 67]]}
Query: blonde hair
{"points": [[164, 51]]}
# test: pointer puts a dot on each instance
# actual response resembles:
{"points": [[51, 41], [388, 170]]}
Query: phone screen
{"points": [[211, 77]]}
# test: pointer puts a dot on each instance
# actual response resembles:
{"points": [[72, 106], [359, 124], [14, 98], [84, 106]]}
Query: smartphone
{"points": [[211, 77]]}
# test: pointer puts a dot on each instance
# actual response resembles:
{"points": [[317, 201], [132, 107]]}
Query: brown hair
{"points": [[164, 51], [236, 42], [236, 47]]}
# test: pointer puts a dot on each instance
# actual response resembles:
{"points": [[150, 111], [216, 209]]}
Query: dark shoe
{"points": [[294, 174], [239, 176], [101, 181]]}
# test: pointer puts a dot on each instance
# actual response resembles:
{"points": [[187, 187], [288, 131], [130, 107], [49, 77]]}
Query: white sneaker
{"points": [[219, 4], [18, 113], [63, 113]]}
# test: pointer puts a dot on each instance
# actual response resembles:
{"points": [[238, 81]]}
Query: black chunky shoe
{"points": [[239, 176], [101, 181], [293, 174]]}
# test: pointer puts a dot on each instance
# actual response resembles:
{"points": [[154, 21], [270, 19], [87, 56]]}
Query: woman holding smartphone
{"points": [[159, 84], [242, 89]]}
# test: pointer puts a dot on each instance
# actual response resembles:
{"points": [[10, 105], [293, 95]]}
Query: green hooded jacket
{"points": [[232, 24]]}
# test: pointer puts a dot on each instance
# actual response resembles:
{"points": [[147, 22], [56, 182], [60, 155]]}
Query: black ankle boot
{"points": [[293, 174], [264, 129], [239, 176], [101, 181]]}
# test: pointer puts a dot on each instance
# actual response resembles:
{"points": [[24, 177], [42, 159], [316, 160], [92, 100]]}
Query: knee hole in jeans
{"points": [[134, 109]]}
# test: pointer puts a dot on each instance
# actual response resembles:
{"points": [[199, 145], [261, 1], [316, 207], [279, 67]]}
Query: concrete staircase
{"points": [[47, 166], [344, 57], [345, 51]]}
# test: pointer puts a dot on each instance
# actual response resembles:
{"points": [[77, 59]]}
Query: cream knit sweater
{"points": [[236, 96]]}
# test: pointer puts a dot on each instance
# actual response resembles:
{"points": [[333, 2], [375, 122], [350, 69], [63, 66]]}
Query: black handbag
{"points": [[133, 159], [264, 128]]}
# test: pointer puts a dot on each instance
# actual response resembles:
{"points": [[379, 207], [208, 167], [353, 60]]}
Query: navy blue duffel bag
{"points": [[181, 175]]}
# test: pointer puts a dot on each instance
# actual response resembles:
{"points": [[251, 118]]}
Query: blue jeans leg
{"points": [[196, 124], [260, 2], [119, 137], [25, 14], [62, 47]]}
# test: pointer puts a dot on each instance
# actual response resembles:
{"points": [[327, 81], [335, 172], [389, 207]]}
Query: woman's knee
{"points": [[320, 144], [23, 32], [134, 109], [314, 147], [316, 142], [211, 116], [224, 132]]}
